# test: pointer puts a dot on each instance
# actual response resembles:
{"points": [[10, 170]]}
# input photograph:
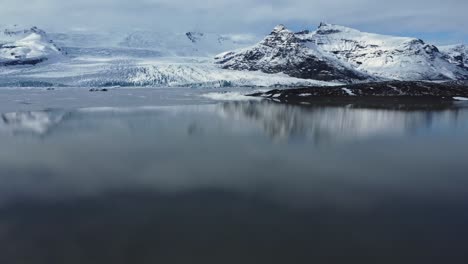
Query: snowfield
{"points": [[384, 56]]}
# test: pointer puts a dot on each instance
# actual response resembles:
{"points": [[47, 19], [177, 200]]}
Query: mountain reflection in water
{"points": [[239, 182]]}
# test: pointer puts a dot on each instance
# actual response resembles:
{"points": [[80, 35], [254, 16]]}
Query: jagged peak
{"points": [[280, 34], [322, 24], [279, 28]]}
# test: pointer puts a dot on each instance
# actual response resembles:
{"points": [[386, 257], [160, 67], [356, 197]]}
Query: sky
{"points": [[436, 21]]}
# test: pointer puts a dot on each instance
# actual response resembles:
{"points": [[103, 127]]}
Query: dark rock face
{"points": [[23, 62], [194, 36], [282, 51], [393, 89]]}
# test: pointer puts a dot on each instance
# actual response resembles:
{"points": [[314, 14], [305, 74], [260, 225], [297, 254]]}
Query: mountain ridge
{"points": [[375, 55]]}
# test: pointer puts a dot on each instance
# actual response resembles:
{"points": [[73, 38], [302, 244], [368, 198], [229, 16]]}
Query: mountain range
{"points": [[329, 55], [335, 52]]}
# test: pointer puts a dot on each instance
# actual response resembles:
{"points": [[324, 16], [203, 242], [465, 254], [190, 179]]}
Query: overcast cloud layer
{"points": [[442, 21]]}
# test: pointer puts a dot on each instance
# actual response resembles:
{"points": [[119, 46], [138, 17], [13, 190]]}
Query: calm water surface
{"points": [[234, 182]]}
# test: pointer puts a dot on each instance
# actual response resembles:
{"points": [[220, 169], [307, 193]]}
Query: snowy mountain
{"points": [[385, 56], [457, 54], [335, 52], [283, 51], [26, 46]]}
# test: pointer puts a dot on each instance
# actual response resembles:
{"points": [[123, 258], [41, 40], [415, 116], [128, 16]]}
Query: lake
{"points": [[187, 177]]}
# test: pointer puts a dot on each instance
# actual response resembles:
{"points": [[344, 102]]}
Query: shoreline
{"points": [[390, 91]]}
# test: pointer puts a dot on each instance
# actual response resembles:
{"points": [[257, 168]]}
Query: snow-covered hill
{"points": [[26, 46], [337, 52], [385, 56]]}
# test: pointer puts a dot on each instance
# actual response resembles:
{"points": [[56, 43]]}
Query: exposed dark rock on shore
{"points": [[98, 90], [374, 93]]}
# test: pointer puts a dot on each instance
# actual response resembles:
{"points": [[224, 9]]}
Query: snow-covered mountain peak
{"points": [[279, 28], [280, 36]]}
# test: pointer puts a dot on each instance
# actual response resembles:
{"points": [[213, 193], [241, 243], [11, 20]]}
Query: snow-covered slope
{"points": [[282, 51], [150, 43], [337, 52], [457, 54], [186, 44], [384, 56], [26, 46]]}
